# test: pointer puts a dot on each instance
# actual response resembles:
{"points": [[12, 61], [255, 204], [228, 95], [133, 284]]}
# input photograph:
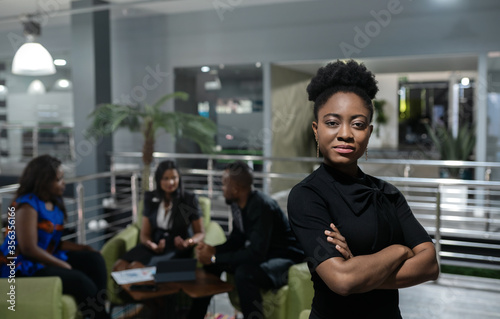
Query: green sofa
{"points": [[290, 300], [36, 297], [39, 297], [128, 238]]}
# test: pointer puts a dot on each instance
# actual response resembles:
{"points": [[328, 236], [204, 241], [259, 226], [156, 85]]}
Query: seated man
{"points": [[260, 248]]}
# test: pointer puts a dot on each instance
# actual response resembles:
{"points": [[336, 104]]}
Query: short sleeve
{"points": [[196, 212], [148, 197], [414, 233], [29, 199], [309, 218], [190, 207]]}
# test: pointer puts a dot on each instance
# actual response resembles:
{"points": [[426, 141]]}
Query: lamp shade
{"points": [[33, 59], [36, 87]]}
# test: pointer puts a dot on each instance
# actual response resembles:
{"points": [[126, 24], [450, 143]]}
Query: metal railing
{"points": [[93, 218], [463, 216]]}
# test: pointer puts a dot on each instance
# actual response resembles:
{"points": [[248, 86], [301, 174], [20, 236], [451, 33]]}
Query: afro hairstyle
{"points": [[347, 77]]}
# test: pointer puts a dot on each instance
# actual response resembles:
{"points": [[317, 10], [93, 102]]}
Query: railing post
{"points": [[487, 174], [487, 215], [35, 141], [72, 150], [81, 219], [113, 181], [210, 178], [135, 196], [437, 234], [267, 180], [407, 170]]}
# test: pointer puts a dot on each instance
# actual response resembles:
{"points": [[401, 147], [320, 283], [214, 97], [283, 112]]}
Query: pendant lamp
{"points": [[32, 58]]}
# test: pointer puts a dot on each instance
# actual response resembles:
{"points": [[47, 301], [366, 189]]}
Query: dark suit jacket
{"points": [[266, 240]]}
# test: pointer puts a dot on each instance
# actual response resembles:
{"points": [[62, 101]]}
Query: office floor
{"points": [[448, 301], [454, 297]]}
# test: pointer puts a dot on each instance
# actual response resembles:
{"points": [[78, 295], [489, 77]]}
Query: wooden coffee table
{"points": [[204, 285]]}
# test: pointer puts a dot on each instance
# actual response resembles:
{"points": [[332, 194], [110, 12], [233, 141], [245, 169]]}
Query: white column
{"points": [[267, 114], [481, 112]]}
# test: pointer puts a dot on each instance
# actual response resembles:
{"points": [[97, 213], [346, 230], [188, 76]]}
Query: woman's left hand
{"points": [[180, 243], [339, 241]]}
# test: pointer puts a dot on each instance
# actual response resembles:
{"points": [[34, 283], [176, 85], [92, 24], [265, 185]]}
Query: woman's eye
{"points": [[331, 123], [359, 124]]}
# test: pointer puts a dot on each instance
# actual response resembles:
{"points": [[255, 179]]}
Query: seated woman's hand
{"points": [[180, 243], [333, 236], [157, 248]]}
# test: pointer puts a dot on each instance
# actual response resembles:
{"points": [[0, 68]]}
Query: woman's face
{"points": [[343, 131], [170, 181], [58, 185]]}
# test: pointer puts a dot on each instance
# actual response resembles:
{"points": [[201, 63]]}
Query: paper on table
{"points": [[130, 276]]}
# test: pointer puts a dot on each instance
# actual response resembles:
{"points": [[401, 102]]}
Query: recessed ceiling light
{"points": [[62, 85], [60, 62], [205, 68]]}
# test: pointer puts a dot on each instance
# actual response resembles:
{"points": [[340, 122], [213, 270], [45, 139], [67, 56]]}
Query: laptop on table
{"points": [[175, 270]]}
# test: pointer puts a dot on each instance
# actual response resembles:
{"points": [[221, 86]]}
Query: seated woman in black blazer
{"points": [[168, 213]]}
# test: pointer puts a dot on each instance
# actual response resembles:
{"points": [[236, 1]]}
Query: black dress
{"points": [[371, 214], [185, 209]]}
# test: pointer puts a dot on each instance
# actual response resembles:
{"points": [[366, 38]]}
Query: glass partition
{"points": [[231, 96], [493, 140]]}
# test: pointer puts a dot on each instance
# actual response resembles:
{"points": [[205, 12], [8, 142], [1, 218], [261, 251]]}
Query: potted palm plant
{"points": [[457, 148], [380, 116], [148, 119]]}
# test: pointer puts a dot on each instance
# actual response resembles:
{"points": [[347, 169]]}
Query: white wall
{"points": [[388, 135]]}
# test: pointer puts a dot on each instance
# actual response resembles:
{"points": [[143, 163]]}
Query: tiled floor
{"points": [[455, 297]]}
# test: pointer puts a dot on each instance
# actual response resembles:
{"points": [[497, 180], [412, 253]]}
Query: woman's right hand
{"points": [[335, 237]]}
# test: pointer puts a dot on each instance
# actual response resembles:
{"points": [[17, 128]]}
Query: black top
{"points": [[371, 214], [266, 234], [184, 210]]}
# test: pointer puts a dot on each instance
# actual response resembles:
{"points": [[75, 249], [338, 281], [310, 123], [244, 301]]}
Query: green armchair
{"points": [[37, 297], [128, 238], [290, 300]]}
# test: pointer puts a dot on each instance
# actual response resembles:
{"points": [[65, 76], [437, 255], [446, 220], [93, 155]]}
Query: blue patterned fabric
{"points": [[50, 229]]}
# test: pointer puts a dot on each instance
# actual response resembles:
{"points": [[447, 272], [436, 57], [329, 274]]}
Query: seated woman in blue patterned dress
{"points": [[36, 239]]}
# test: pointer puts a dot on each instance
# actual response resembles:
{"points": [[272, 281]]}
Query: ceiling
{"points": [[400, 64], [58, 12]]}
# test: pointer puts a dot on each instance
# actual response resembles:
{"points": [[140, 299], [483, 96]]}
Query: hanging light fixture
{"points": [[32, 58]]}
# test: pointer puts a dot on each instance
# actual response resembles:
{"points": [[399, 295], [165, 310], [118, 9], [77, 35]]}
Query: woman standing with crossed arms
{"points": [[361, 238]]}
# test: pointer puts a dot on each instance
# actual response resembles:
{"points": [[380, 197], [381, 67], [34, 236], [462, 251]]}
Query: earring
{"points": [[366, 154], [317, 149]]}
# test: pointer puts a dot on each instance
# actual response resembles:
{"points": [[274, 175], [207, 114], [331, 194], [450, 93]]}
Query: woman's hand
{"points": [[339, 241], [182, 244], [157, 248]]}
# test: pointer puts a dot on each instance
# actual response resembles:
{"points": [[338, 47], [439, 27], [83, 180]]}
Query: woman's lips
{"points": [[344, 149]]}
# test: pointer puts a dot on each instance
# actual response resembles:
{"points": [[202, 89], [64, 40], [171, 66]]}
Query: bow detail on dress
{"points": [[364, 193]]}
